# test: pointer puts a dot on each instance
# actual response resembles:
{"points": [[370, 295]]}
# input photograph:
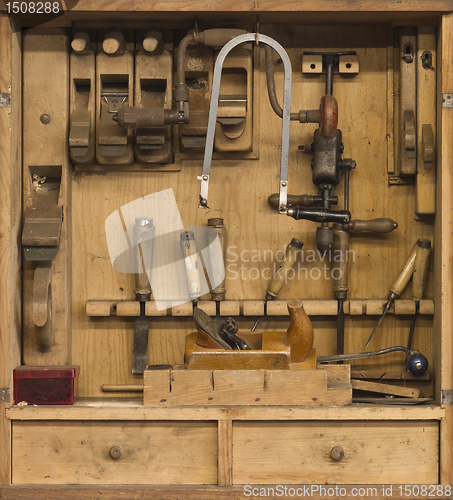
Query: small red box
{"points": [[46, 385]]}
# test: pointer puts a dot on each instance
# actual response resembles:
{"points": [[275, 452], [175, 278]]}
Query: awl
{"points": [[421, 248]]}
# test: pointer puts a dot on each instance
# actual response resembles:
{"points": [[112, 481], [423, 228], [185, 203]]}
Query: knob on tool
{"points": [[281, 273], [417, 265]]}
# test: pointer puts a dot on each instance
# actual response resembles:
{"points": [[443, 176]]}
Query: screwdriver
{"points": [[281, 273], [421, 249]]}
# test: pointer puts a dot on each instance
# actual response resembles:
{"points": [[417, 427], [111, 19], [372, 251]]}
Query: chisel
{"points": [[143, 244], [421, 248], [281, 274]]}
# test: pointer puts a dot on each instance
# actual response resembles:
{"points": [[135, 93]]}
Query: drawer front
{"points": [[311, 452], [114, 453]]}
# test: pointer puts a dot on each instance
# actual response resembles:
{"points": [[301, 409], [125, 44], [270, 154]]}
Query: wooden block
{"points": [[253, 307], [185, 309], [128, 308], [357, 307], [277, 308], [425, 185], [329, 386], [100, 308], [230, 308], [337, 374], [151, 309], [156, 385], [427, 307], [225, 445], [312, 64], [375, 307], [364, 385], [404, 307], [321, 307], [207, 306], [348, 64]]}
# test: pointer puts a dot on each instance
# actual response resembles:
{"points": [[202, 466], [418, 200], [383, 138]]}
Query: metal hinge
{"points": [[447, 100], [4, 395], [447, 397], [5, 100]]}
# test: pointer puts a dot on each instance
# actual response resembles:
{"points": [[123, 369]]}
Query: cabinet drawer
{"points": [[301, 452], [115, 452]]}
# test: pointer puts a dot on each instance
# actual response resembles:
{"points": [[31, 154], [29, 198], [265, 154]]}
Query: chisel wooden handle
{"points": [[282, 272], [421, 268], [382, 225], [405, 275]]}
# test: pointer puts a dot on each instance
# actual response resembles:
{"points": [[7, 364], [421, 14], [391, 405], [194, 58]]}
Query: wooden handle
{"points": [[382, 225], [421, 269], [405, 275], [340, 262], [300, 332], [219, 37], [329, 116], [286, 264]]}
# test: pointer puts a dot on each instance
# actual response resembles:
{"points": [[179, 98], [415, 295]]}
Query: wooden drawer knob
{"points": [[116, 452], [337, 453]]}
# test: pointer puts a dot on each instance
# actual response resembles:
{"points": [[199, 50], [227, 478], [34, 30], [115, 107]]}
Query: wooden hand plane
{"points": [[219, 347]]}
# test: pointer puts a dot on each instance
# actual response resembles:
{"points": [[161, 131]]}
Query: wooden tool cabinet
{"points": [[115, 446]]}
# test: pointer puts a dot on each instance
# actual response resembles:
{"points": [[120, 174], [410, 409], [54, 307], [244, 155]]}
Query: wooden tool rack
{"points": [[198, 452]]}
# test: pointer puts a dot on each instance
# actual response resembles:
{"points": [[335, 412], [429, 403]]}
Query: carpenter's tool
{"points": [[363, 385], [219, 336], [189, 250], [418, 256], [417, 364], [143, 244], [281, 273], [340, 272], [217, 265]]}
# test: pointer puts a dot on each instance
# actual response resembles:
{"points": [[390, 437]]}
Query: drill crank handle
{"points": [[319, 214]]}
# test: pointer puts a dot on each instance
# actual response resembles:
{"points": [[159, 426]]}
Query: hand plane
{"points": [[219, 346]]}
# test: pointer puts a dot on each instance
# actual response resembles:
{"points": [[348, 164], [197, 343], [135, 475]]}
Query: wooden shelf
{"points": [[353, 307], [133, 409]]}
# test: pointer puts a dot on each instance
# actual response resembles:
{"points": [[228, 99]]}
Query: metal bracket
{"points": [[5, 100], [447, 397], [4, 395], [115, 100], [447, 100]]}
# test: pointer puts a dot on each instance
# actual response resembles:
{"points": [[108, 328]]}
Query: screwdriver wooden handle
{"points": [[382, 225], [405, 275], [286, 264], [340, 261], [421, 268]]}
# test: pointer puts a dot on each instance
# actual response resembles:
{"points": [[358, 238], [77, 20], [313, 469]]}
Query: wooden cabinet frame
{"points": [[437, 12]]}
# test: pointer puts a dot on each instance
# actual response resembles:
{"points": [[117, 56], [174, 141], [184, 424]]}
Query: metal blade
{"points": [[387, 307], [141, 334]]}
